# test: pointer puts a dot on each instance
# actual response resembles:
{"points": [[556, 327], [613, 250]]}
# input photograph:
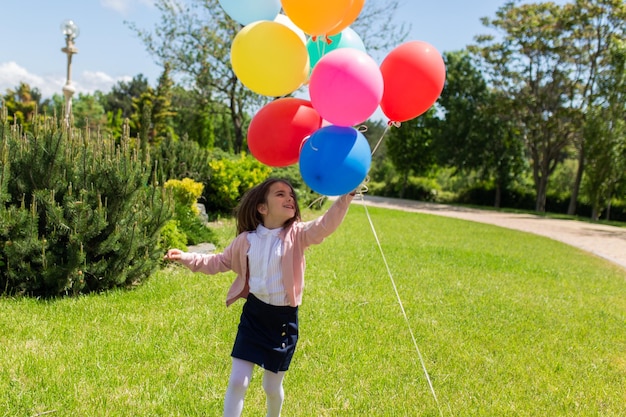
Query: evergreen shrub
{"points": [[78, 213]]}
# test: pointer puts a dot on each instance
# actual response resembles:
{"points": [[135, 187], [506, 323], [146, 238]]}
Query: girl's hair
{"points": [[246, 213]]}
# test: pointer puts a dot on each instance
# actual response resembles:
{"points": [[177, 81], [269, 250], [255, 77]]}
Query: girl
{"points": [[268, 257]]}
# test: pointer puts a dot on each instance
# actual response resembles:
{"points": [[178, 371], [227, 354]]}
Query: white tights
{"points": [[238, 383]]}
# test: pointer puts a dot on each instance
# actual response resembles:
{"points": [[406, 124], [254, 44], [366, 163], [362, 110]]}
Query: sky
{"points": [[109, 51]]}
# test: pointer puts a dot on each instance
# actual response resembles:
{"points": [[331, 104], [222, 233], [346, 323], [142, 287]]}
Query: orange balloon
{"points": [[349, 18], [316, 17]]}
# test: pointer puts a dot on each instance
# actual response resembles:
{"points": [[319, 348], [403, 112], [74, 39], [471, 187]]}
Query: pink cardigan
{"points": [[296, 238]]}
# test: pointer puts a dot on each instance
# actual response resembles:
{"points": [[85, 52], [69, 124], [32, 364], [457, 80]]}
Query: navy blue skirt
{"points": [[267, 334]]}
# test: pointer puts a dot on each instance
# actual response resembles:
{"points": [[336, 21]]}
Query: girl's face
{"points": [[279, 206]]}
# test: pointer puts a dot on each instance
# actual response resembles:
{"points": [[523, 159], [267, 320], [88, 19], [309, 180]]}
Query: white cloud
{"points": [[124, 6], [87, 82], [121, 6], [11, 75]]}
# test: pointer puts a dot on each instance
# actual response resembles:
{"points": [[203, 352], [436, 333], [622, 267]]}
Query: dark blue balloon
{"points": [[335, 160]]}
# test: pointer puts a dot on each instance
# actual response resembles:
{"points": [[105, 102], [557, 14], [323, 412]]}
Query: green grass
{"points": [[509, 324]]}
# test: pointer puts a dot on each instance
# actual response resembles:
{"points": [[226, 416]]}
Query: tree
{"points": [[410, 147], [605, 135], [549, 61], [527, 65], [153, 112], [22, 103], [88, 112], [195, 38], [378, 29], [477, 132], [593, 26], [122, 94]]}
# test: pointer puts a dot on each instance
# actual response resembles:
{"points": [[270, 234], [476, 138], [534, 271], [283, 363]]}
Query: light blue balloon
{"points": [[335, 160], [248, 11]]}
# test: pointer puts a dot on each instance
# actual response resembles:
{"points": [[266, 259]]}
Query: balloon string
{"points": [[395, 288], [389, 124]]}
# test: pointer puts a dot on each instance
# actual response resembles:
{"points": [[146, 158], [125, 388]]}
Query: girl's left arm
{"points": [[315, 231]]}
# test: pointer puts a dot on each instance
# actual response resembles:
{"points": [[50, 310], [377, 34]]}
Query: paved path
{"points": [[608, 242]]}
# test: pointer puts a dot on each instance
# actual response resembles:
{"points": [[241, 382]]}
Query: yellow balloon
{"points": [[269, 58], [316, 17]]}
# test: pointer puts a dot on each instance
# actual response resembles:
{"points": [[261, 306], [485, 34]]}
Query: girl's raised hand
{"points": [[173, 255]]}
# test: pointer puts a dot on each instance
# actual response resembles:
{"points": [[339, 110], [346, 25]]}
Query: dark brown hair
{"points": [[246, 214]]}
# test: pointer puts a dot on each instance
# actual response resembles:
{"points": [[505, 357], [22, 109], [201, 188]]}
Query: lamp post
{"points": [[71, 31]]}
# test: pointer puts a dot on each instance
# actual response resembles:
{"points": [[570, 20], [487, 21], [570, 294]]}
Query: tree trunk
{"points": [[405, 180], [595, 213], [237, 120], [498, 197], [542, 190], [573, 201]]}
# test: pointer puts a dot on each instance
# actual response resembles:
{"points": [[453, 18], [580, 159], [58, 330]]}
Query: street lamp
{"points": [[71, 31]]}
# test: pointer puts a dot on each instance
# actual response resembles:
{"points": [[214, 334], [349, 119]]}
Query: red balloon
{"points": [[277, 131], [414, 74]]}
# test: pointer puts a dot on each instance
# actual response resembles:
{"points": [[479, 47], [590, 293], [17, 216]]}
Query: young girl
{"points": [[268, 257]]}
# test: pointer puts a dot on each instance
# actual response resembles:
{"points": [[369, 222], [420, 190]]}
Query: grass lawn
{"points": [[508, 324]]}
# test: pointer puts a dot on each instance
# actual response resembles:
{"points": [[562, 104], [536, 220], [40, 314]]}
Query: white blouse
{"points": [[264, 258]]}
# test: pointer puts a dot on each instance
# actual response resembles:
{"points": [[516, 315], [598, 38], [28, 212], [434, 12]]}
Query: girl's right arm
{"points": [[212, 263]]}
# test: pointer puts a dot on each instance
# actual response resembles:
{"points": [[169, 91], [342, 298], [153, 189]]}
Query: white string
{"points": [[395, 288]]}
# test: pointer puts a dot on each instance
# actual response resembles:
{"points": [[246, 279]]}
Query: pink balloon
{"points": [[346, 87]]}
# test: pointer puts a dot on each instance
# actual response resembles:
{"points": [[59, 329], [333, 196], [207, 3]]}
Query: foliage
{"points": [[410, 147], [77, 213], [413, 188], [605, 137], [172, 236], [195, 40], [157, 108], [548, 62], [178, 159], [478, 133], [230, 178], [186, 193], [195, 37]]}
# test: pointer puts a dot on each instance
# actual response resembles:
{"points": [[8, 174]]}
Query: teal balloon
{"points": [[319, 47]]}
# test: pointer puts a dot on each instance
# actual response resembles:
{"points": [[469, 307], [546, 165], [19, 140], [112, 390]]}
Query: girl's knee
{"points": [[273, 384], [239, 382]]}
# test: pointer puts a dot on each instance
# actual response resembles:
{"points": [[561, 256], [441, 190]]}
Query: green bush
{"points": [[77, 213], [172, 236], [231, 176], [416, 188], [178, 159], [186, 193]]}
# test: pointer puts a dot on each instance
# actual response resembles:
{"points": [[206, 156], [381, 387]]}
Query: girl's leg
{"points": [[237, 385], [273, 386]]}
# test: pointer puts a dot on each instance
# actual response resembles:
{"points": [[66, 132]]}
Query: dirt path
{"points": [[608, 242]]}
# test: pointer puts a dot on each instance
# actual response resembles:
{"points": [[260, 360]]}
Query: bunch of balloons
{"points": [[275, 54]]}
